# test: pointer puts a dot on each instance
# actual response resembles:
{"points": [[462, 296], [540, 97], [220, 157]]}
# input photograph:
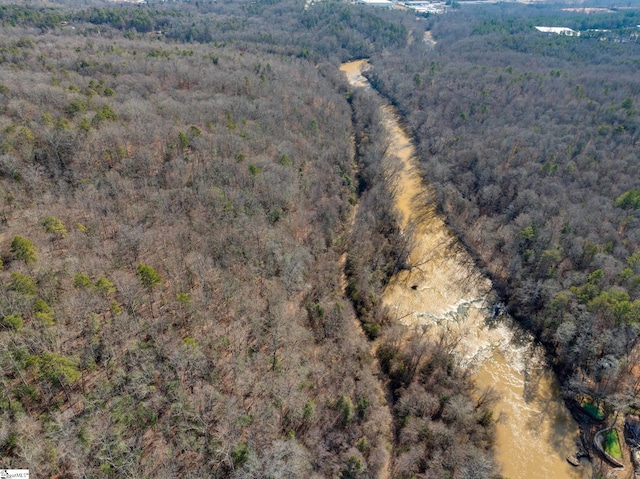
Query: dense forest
{"points": [[331, 30], [193, 219], [531, 142], [196, 230], [173, 220]]}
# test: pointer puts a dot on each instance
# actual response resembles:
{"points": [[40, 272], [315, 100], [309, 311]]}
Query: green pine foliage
{"points": [[24, 250], [149, 277]]}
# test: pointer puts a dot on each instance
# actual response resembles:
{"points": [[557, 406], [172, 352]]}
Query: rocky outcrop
{"points": [[632, 436], [632, 430], [635, 460]]}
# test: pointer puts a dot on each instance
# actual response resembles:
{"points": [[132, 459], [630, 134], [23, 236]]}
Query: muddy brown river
{"points": [[443, 293]]}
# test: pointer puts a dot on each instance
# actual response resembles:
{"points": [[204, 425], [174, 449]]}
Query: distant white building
{"points": [[376, 3], [426, 7], [559, 31]]}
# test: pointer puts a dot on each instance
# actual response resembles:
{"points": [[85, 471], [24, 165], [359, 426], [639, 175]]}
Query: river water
{"points": [[444, 293]]}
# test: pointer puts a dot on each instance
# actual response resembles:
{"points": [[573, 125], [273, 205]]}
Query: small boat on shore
{"points": [[573, 460]]}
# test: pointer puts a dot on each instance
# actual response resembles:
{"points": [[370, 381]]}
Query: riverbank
{"points": [[441, 428]]}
